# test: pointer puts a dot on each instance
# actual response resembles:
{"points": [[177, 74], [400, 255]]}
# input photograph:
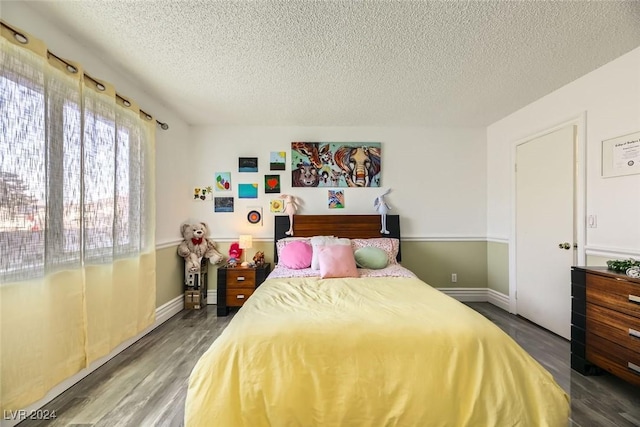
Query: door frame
{"points": [[579, 197]]}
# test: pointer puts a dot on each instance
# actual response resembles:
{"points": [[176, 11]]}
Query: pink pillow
{"points": [[296, 255], [336, 261]]}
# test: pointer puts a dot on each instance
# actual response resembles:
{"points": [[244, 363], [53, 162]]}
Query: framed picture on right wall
{"points": [[621, 155]]}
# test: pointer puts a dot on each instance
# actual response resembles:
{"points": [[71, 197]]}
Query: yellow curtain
{"points": [[77, 260]]}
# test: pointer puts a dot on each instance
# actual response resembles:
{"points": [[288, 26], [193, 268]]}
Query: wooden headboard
{"points": [[350, 226]]}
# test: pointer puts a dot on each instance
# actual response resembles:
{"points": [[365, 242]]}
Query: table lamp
{"points": [[245, 241]]}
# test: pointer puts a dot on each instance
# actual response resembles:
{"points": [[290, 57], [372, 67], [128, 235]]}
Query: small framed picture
{"points": [[272, 183], [247, 164], [276, 205], [203, 193], [621, 155], [223, 204], [277, 160], [248, 191], [335, 199], [223, 181]]}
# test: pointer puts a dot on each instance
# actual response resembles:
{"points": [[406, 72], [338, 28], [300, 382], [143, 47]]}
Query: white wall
{"points": [[171, 155], [610, 96], [437, 176]]}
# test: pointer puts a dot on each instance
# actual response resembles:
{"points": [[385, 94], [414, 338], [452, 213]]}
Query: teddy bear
{"points": [[196, 245], [258, 258]]}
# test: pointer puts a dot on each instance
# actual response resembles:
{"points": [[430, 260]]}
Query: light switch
{"points": [[592, 221]]}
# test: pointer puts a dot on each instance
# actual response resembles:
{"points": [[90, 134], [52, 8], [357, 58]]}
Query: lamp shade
{"points": [[245, 241]]}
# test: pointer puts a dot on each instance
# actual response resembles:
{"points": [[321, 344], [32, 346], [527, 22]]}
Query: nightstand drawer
{"points": [[619, 361], [237, 284], [241, 278], [237, 297], [617, 294], [613, 326]]}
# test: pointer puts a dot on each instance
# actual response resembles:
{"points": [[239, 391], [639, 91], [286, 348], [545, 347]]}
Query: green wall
{"points": [[433, 262], [169, 275], [498, 267]]}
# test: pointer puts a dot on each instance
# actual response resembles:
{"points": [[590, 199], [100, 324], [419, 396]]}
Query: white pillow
{"points": [[317, 241]]}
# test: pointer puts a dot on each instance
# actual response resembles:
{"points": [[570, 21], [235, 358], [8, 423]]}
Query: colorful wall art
{"points": [[335, 164], [223, 204], [223, 181], [272, 183], [277, 160], [248, 191], [276, 205], [254, 215], [202, 194], [247, 164], [335, 199]]}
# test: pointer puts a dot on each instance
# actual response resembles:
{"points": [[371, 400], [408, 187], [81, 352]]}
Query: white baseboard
{"points": [[163, 313], [498, 299], [466, 294], [212, 296], [478, 295], [167, 311]]}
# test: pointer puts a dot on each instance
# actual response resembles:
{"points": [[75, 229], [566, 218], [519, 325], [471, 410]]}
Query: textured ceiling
{"points": [[336, 63]]}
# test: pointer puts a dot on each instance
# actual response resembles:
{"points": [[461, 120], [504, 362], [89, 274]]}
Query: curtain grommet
{"points": [[21, 38]]}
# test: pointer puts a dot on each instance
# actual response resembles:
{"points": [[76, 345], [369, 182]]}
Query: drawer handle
{"points": [[240, 296], [635, 368], [635, 299], [634, 333], [241, 279]]}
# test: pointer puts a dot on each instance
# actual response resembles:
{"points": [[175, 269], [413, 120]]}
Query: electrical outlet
{"points": [[454, 277]]}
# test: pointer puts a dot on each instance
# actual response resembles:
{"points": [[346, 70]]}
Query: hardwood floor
{"points": [[146, 384]]}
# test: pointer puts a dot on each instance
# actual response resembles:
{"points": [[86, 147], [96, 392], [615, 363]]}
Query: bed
{"points": [[380, 349]]}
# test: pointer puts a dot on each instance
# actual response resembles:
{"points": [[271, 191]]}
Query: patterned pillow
{"points": [[390, 245]]}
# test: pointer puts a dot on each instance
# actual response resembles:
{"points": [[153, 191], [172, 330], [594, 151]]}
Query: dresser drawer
{"points": [[237, 297], [617, 360], [624, 330], [616, 294], [241, 278]]}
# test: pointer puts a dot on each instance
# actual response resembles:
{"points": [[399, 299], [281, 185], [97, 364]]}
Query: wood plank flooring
{"points": [[146, 384]]}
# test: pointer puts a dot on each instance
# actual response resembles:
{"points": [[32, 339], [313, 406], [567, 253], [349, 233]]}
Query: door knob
{"points": [[565, 245]]}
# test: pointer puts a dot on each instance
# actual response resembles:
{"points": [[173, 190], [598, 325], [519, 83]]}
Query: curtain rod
{"points": [[22, 39]]}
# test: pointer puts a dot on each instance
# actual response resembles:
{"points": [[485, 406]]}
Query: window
{"points": [[72, 174]]}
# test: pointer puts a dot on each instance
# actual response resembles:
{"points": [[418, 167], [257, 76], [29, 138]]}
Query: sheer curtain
{"points": [[77, 220]]}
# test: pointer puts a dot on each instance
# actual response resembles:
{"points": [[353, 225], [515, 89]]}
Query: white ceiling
{"points": [[350, 63]]}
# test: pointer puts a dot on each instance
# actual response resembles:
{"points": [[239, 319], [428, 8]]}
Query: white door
{"points": [[545, 229]]}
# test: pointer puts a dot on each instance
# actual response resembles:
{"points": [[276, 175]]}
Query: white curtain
{"points": [[77, 260]]}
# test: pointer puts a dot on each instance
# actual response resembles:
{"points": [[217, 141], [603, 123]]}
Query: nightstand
{"points": [[236, 284]]}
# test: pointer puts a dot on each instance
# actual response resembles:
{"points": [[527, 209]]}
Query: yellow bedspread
{"points": [[367, 352]]}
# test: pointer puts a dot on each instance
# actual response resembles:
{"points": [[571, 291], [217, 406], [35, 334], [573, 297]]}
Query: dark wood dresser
{"points": [[605, 323]]}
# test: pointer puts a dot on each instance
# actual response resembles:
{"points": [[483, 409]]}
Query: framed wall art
{"points": [[247, 164], [621, 155], [223, 204], [336, 164], [272, 183]]}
